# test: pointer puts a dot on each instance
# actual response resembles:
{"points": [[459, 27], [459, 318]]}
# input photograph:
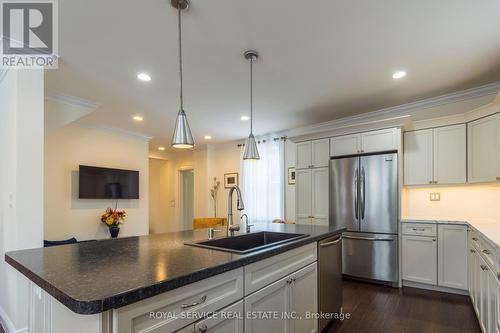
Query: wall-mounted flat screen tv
{"points": [[105, 183]]}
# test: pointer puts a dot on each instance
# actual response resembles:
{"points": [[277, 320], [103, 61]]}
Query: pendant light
{"points": [[182, 137], [251, 152]]}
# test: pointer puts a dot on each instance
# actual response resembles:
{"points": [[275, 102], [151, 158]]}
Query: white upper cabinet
{"points": [[452, 256], [304, 155], [320, 156], [483, 149], [450, 154], [382, 140], [312, 196], [418, 157], [313, 154], [368, 142], [436, 156], [345, 145]]}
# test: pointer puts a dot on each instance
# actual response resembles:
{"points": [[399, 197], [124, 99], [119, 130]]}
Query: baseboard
{"points": [[7, 324], [435, 288]]}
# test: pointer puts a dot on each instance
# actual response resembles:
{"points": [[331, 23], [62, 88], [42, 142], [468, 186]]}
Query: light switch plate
{"points": [[435, 196]]}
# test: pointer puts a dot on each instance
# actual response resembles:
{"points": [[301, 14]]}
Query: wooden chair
{"points": [[209, 222]]}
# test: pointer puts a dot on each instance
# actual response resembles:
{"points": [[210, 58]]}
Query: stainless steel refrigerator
{"points": [[364, 199]]}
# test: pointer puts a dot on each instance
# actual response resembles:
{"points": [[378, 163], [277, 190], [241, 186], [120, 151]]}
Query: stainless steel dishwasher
{"points": [[330, 277]]}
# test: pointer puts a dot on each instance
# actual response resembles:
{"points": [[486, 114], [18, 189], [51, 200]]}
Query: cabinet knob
{"points": [[434, 239], [472, 251], [486, 252], [202, 328], [484, 268]]}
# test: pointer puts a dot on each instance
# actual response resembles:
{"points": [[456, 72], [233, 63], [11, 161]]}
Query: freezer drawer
{"points": [[370, 256]]}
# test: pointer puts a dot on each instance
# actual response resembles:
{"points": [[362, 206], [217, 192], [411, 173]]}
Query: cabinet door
{"points": [[274, 298], [304, 298], [377, 141], [304, 155], [452, 256], [470, 273], [482, 150], [491, 319], [420, 259], [450, 154], [228, 320], [320, 193], [303, 188], [483, 294], [345, 145], [418, 157], [320, 153]]}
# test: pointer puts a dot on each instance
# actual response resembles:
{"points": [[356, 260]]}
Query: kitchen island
{"points": [[103, 286]]}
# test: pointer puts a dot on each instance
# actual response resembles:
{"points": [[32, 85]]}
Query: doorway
{"points": [[187, 198]]}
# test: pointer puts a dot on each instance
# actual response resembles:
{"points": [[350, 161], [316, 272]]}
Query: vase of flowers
{"points": [[213, 194], [113, 218]]}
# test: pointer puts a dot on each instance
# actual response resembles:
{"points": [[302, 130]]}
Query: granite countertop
{"points": [[489, 228], [93, 277]]}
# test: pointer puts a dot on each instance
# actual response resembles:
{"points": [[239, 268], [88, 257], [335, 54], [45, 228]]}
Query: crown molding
{"points": [[71, 100], [390, 114]]}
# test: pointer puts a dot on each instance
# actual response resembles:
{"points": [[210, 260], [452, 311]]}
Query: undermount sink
{"points": [[248, 242]]}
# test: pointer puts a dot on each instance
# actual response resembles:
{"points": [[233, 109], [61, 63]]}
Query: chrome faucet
{"points": [[231, 228], [246, 222]]}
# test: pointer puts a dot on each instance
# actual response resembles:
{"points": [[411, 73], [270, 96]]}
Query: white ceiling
{"points": [[320, 60]]}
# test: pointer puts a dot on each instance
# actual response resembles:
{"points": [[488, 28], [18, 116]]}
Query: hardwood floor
{"points": [[1, 329], [376, 308]]}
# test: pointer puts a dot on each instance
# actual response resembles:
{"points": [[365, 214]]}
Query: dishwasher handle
{"points": [[326, 244], [370, 238]]}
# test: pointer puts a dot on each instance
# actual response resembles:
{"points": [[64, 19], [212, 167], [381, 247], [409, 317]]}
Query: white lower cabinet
{"points": [[435, 256], [483, 286], [452, 256], [420, 259], [283, 305]]}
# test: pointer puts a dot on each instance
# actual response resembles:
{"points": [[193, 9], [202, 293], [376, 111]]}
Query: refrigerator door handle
{"points": [[363, 192], [356, 194], [370, 238]]}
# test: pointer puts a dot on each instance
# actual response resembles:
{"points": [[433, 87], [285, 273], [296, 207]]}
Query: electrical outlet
{"points": [[435, 196]]}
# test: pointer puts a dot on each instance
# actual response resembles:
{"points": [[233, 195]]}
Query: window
{"points": [[262, 182]]}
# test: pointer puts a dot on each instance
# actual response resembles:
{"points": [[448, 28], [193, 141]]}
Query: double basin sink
{"points": [[247, 243]]}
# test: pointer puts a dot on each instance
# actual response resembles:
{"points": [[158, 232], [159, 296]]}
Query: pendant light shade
{"points": [[182, 134], [182, 137], [251, 151]]}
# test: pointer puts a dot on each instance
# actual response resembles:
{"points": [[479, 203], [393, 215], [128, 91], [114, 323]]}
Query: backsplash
{"points": [[477, 201]]}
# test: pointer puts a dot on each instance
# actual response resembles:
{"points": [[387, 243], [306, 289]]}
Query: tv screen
{"points": [[105, 183]]}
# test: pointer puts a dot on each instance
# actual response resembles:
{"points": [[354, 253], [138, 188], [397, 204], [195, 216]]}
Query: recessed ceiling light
{"points": [[144, 77], [138, 118], [399, 75], [161, 148], [245, 118], [208, 137]]}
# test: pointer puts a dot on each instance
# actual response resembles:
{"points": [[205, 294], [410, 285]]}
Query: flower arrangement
{"points": [[213, 194], [113, 218]]}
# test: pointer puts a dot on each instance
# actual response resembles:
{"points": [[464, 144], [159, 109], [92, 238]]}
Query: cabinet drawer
{"points": [[208, 295], [264, 272], [420, 229]]}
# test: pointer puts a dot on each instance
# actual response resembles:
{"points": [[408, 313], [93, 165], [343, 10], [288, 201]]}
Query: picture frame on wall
{"points": [[231, 179], [291, 176]]}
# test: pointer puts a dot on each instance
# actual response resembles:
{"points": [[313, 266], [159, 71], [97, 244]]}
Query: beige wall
{"points": [[68, 147], [165, 213], [478, 201]]}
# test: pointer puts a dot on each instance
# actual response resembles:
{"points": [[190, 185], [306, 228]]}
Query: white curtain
{"points": [[262, 182]]}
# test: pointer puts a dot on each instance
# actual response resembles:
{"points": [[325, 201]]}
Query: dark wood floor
{"points": [[1, 329], [376, 308]]}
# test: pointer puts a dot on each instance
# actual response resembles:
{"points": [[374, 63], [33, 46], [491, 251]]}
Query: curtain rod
{"points": [[283, 138]]}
